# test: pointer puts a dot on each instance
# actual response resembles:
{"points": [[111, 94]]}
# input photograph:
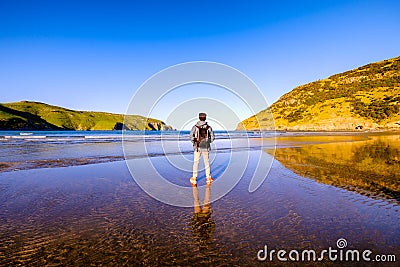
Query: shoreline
{"points": [[188, 130], [311, 153], [282, 140], [389, 131]]}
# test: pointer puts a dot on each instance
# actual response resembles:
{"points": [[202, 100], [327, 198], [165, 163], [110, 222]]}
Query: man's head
{"points": [[202, 116]]}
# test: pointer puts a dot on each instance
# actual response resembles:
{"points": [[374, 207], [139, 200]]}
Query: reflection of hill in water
{"points": [[369, 166]]}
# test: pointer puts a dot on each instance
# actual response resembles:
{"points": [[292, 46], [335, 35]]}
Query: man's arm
{"points": [[212, 136], [192, 134]]}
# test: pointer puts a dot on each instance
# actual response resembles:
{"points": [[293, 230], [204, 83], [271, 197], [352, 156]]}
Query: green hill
{"points": [[27, 115], [365, 98]]}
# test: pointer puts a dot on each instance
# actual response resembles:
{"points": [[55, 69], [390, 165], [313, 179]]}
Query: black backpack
{"points": [[202, 140]]}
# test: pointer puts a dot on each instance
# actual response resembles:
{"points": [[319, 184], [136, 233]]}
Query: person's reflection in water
{"points": [[202, 224]]}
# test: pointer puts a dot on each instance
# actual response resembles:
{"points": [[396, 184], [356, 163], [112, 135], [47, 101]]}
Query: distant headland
{"points": [[28, 115]]}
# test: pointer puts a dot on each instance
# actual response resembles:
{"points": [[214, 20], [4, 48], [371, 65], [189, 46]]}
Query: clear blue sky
{"points": [[93, 55]]}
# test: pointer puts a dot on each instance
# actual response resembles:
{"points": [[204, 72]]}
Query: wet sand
{"points": [[97, 215], [366, 163]]}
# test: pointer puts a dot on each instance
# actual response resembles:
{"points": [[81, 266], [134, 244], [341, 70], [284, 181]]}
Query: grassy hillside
{"points": [[26, 115], [364, 98]]}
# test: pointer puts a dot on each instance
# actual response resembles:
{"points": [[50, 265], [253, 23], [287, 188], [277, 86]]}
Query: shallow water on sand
{"points": [[52, 149], [367, 164], [97, 215]]}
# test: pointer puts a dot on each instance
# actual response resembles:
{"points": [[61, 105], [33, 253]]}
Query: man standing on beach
{"points": [[201, 136]]}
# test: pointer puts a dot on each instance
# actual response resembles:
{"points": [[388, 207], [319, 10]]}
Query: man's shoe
{"points": [[193, 181], [209, 180]]}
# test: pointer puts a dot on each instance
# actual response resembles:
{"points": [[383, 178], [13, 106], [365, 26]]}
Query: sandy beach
{"points": [[107, 107], [96, 214]]}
